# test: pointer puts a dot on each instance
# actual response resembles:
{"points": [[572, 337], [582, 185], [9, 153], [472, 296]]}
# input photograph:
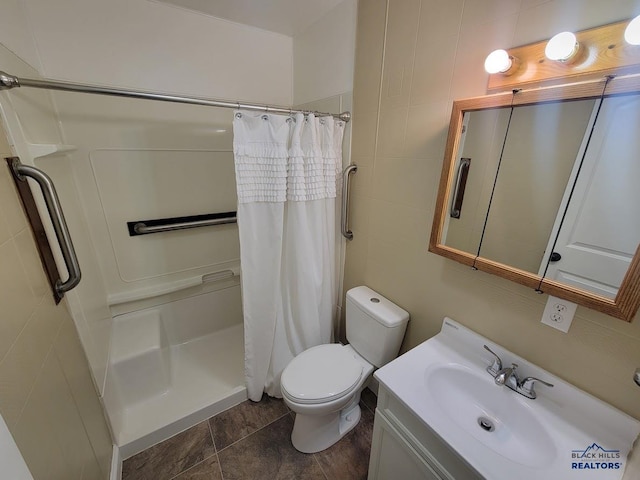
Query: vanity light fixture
{"points": [[562, 47], [632, 32], [568, 57], [498, 61]]}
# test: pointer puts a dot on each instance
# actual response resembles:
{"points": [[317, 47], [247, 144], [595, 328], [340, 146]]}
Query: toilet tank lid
{"points": [[372, 303]]}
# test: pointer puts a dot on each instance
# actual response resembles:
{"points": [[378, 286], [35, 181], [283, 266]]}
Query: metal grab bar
{"points": [[142, 228], [461, 183], [57, 219], [346, 233]]}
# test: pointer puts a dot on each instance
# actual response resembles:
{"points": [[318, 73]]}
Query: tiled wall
{"points": [[47, 397], [413, 58]]}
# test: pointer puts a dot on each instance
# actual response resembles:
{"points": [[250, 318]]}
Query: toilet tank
{"points": [[375, 325]]}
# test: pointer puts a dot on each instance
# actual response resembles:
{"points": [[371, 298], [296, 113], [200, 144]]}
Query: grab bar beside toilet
{"points": [[346, 175]]}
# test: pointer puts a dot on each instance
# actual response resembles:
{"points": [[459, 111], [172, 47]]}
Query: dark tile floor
{"points": [[252, 441]]}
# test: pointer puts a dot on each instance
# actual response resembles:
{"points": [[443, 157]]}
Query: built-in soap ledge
{"points": [[40, 150], [171, 287]]}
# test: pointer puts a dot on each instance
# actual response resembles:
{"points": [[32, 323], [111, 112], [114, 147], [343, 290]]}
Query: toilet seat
{"points": [[321, 374]]}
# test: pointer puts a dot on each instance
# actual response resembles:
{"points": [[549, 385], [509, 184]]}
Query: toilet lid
{"points": [[321, 373]]}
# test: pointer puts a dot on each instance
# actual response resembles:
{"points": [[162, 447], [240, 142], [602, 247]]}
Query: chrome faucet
{"points": [[508, 377]]}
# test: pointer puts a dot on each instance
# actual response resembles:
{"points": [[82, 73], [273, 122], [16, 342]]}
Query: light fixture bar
{"points": [[603, 51]]}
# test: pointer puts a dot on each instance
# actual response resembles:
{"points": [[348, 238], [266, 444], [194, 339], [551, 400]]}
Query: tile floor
{"points": [[252, 441]]}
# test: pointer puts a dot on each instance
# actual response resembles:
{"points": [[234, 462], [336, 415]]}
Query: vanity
{"points": [[445, 412]]}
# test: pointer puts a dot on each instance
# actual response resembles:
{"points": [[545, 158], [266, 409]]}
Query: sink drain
{"points": [[486, 424]]}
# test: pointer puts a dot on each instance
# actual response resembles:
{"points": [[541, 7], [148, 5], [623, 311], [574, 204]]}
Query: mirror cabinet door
{"points": [[552, 197], [598, 235], [521, 163], [480, 142], [542, 146]]}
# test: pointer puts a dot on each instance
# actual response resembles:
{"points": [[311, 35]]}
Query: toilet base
{"points": [[314, 433]]}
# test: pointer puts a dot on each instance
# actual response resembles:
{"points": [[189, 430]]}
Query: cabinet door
{"points": [[393, 458]]}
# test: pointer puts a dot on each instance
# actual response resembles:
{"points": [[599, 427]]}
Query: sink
{"points": [[493, 415], [499, 433]]}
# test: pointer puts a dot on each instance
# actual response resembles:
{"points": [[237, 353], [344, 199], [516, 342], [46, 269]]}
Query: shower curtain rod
{"points": [[10, 81]]}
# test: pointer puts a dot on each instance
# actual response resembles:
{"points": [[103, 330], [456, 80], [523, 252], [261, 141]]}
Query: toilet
{"points": [[322, 385]]}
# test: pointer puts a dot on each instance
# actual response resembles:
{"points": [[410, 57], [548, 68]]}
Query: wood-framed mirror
{"points": [[547, 173]]}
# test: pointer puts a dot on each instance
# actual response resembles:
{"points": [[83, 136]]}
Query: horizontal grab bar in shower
{"points": [[145, 227]]}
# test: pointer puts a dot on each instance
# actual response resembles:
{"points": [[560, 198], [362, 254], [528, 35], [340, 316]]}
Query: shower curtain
{"points": [[287, 169]]}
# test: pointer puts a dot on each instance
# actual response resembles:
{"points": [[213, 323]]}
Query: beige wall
{"points": [[433, 52], [47, 397]]}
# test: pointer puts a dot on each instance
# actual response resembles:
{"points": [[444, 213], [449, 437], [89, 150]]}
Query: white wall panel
{"points": [[323, 55], [148, 45], [150, 184]]}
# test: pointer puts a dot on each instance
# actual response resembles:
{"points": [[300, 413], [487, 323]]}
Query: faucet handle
{"points": [[526, 386], [496, 366], [507, 376]]}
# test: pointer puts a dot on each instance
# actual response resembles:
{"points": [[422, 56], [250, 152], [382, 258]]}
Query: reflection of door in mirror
{"points": [[601, 228]]}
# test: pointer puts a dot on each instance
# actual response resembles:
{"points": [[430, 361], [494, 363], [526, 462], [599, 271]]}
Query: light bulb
{"points": [[498, 61], [562, 47], [632, 32]]}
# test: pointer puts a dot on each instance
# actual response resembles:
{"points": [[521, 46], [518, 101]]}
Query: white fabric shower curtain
{"points": [[287, 169]]}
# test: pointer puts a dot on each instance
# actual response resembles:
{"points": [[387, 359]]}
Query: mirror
{"points": [[539, 187]]}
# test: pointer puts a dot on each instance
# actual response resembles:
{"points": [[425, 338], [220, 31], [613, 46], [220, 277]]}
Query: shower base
{"points": [[173, 366]]}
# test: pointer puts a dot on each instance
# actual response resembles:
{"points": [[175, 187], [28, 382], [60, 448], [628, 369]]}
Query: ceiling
{"points": [[287, 17]]}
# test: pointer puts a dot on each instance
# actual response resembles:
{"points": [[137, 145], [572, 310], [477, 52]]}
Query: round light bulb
{"points": [[632, 32], [497, 61], [561, 47]]}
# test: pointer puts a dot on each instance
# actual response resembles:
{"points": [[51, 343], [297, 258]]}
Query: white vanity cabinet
{"points": [[404, 448], [440, 415]]}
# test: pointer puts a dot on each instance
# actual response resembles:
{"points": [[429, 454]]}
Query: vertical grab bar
{"points": [[461, 183], [346, 233], [57, 219]]}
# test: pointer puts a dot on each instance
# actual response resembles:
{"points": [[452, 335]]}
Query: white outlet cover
{"points": [[558, 313]]}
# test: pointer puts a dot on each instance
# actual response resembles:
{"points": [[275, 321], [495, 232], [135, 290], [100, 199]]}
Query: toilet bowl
{"points": [[322, 385]]}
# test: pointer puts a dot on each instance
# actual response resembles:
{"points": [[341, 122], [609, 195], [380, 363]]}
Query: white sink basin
{"points": [[499, 433], [494, 416]]}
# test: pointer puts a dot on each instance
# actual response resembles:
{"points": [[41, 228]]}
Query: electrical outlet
{"points": [[558, 313]]}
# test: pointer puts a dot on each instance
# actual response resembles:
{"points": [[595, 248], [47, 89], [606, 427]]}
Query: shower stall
{"points": [[148, 190], [159, 314]]}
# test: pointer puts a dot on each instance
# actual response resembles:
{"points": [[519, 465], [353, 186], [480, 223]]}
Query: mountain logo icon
{"points": [[591, 450]]}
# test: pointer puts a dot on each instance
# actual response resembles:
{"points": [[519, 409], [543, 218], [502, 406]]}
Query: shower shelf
{"points": [[171, 287], [39, 150]]}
